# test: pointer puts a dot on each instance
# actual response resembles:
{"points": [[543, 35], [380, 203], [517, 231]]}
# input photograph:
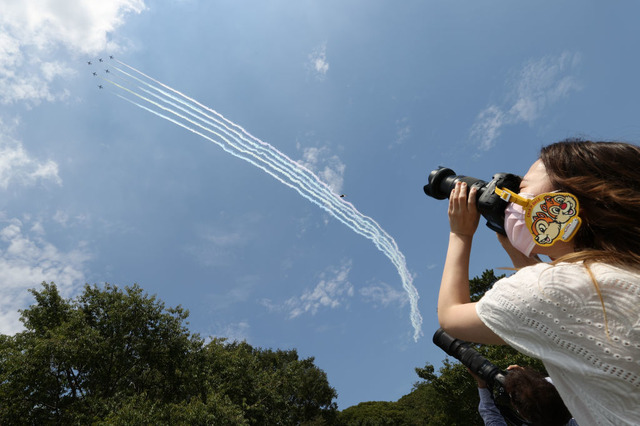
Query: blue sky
{"points": [[369, 95]]}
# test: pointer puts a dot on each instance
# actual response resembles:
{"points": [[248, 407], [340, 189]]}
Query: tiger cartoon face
{"points": [[561, 207]]}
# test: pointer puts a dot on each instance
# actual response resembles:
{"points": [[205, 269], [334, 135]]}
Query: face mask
{"points": [[539, 220], [516, 228]]}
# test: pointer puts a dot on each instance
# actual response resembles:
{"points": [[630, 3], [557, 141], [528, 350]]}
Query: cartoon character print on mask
{"points": [[552, 217], [544, 229], [560, 207]]}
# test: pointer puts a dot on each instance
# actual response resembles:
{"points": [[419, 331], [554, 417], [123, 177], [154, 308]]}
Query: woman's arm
{"points": [[456, 314]]}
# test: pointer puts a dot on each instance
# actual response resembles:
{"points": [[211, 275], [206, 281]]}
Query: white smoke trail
{"points": [[281, 160], [174, 106]]}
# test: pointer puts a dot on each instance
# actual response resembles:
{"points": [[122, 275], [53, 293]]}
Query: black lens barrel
{"points": [[442, 181], [469, 357]]}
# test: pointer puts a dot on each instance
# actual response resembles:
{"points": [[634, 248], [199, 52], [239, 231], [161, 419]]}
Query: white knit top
{"points": [[554, 313]]}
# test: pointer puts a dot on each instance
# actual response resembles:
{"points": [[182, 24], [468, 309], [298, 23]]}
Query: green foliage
{"points": [[375, 413], [478, 286], [113, 356], [447, 399], [272, 387], [140, 410]]}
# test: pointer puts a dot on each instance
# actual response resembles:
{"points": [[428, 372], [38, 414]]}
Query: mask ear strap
{"points": [[511, 197]]}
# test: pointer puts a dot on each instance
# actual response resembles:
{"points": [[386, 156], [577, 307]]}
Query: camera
{"points": [[442, 180], [483, 368]]}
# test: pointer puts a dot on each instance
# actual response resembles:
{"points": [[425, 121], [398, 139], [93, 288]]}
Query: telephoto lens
{"points": [[442, 181], [467, 355]]}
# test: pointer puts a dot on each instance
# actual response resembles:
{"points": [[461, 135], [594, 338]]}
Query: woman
{"points": [[580, 313]]}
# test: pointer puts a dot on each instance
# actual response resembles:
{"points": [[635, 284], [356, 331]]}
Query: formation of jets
{"points": [[99, 60], [100, 86]]}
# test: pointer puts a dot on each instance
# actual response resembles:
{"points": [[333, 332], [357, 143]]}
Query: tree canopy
{"points": [[118, 356]]}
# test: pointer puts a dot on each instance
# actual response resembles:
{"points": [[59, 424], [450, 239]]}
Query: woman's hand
{"points": [[463, 213]]}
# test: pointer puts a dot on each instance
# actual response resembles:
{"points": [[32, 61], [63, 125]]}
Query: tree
{"points": [[375, 413], [113, 356], [272, 387]]}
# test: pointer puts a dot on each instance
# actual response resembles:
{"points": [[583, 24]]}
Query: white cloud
{"points": [[384, 295], [403, 131], [329, 168], [32, 32], [318, 63], [539, 85], [487, 126], [82, 25], [216, 245], [26, 260], [233, 332], [332, 291], [239, 291], [17, 166], [66, 220]]}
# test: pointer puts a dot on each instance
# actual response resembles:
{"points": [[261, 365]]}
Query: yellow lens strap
{"points": [[511, 197]]}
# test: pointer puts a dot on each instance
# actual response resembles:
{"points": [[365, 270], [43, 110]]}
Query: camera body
{"points": [[442, 180]]}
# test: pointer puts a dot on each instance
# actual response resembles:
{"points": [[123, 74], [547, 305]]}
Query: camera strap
{"points": [[511, 197]]}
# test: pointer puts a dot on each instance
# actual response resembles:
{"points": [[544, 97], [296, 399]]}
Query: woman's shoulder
{"points": [[577, 269], [544, 271], [579, 277]]}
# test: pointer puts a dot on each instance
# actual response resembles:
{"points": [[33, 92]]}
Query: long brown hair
{"points": [[605, 177]]}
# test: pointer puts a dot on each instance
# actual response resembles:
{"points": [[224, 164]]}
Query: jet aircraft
{"points": [[110, 56], [100, 59], [95, 73], [99, 86], [88, 62], [107, 71]]}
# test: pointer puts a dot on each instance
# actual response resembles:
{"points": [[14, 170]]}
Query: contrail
{"points": [[165, 102]]}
